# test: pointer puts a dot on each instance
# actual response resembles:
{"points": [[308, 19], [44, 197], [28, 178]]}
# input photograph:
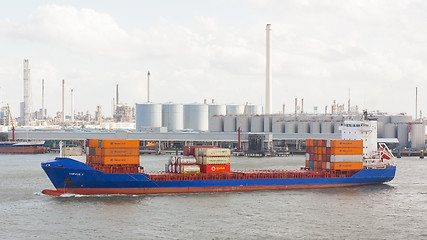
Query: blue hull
{"points": [[71, 176]]}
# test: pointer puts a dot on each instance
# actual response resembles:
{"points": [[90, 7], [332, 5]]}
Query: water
{"points": [[396, 210]]}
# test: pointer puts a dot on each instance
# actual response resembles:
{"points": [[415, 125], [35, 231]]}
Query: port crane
{"points": [[11, 120], [238, 129]]}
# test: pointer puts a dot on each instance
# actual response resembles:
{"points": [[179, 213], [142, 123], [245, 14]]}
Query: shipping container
{"points": [[219, 168], [115, 160], [323, 165], [346, 165], [119, 152], [189, 150], [307, 156], [346, 151], [346, 143], [311, 165], [118, 143], [92, 143], [214, 152], [213, 160], [328, 165], [307, 163], [346, 158], [189, 169]]}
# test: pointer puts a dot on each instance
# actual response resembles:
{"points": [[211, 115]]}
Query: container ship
{"points": [[22, 147], [112, 167]]}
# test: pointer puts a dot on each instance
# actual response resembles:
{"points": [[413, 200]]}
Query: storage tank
{"points": [[402, 134], [337, 126], [400, 119], [380, 129], [418, 131], [326, 127], [229, 123], [291, 127], [234, 109], [384, 119], [390, 130], [216, 124], [148, 115], [302, 127], [257, 124], [217, 110], [314, 127], [267, 124], [278, 127], [245, 126], [173, 116], [253, 109], [305, 117], [196, 117]]}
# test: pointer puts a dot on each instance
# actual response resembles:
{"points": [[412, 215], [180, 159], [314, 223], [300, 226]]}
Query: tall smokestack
{"points": [[27, 93], [268, 98], [63, 101], [117, 94], [349, 106], [148, 87], [42, 99], [302, 105], [416, 103], [72, 106], [296, 106]]}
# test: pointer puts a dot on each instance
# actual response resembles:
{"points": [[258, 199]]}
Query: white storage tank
{"points": [[390, 130], [229, 123], [257, 124], [173, 116], [216, 124], [380, 129], [402, 134], [291, 127], [253, 109], [234, 109], [401, 119], [326, 127], [302, 127], [337, 126], [245, 125], [314, 127], [148, 115], [278, 127], [217, 110], [418, 131], [196, 117]]}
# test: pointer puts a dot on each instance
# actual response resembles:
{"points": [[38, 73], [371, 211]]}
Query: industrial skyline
{"points": [[215, 50]]}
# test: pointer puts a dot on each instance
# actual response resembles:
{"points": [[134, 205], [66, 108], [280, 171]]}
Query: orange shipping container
{"points": [[346, 165], [115, 160], [347, 143], [92, 143], [118, 143], [117, 151], [346, 151], [323, 165], [307, 163]]}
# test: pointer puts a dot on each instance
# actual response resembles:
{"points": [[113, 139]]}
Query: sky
{"points": [[198, 50]]}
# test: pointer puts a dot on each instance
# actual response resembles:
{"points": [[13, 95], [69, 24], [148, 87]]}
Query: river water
{"points": [[395, 210]]}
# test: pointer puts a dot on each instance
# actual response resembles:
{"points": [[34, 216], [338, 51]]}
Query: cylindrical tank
{"points": [[217, 110], [314, 127], [253, 109], [302, 127], [267, 124], [380, 129], [148, 115], [291, 127], [233, 110], [305, 117], [389, 130], [278, 127], [384, 119], [216, 124], [400, 119], [245, 125], [257, 124], [173, 116], [337, 126], [229, 123], [402, 134], [196, 117], [418, 136], [326, 127]]}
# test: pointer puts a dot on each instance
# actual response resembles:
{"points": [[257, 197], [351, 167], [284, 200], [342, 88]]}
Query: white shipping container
{"points": [[328, 165], [346, 158], [307, 156], [215, 160], [187, 169], [215, 152]]}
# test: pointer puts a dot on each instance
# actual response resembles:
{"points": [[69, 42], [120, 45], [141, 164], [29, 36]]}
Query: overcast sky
{"points": [[199, 50]]}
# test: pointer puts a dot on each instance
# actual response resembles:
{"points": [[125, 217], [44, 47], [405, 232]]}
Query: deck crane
{"points": [[13, 126], [238, 129]]}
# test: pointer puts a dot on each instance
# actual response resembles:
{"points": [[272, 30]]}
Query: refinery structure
{"points": [[207, 122]]}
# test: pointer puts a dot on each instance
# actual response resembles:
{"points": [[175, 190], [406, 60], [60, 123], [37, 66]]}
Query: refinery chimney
{"points": [[63, 101], [42, 99], [72, 106], [148, 87], [268, 98], [117, 94], [27, 93]]}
